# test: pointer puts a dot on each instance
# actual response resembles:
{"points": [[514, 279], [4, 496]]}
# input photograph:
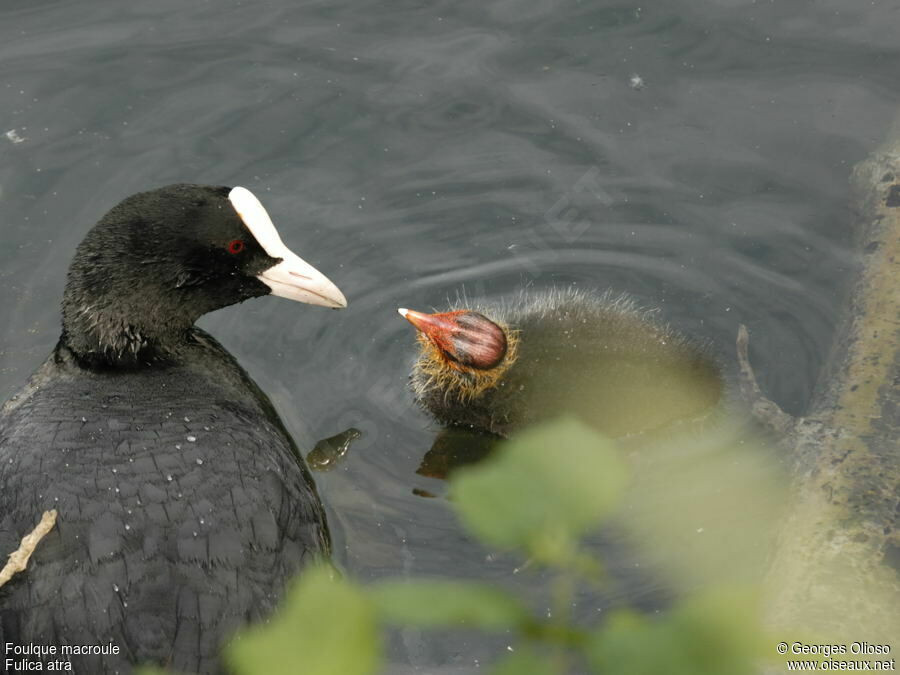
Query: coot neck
{"points": [[105, 328]]}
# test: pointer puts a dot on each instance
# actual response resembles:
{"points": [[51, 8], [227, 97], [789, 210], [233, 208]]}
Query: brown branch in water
{"points": [[763, 410], [18, 560]]}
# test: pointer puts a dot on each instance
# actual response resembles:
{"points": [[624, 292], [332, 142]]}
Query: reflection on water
{"points": [[455, 447], [412, 151]]}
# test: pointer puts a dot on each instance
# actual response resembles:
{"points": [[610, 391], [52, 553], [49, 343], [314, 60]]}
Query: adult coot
{"points": [[184, 505], [497, 367]]}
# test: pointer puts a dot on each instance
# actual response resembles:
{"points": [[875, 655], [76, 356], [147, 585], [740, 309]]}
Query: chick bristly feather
{"points": [[436, 370], [599, 356]]}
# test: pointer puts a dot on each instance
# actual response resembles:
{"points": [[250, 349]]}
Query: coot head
{"points": [[161, 259], [463, 353]]}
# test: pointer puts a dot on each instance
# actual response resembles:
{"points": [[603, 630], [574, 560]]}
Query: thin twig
{"points": [[18, 560]]}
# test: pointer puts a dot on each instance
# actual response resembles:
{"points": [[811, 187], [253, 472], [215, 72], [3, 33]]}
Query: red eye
{"points": [[236, 247]]}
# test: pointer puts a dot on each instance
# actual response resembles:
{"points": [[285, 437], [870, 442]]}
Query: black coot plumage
{"points": [[184, 505], [498, 367]]}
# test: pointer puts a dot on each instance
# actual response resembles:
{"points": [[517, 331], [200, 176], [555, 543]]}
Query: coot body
{"points": [[184, 505]]}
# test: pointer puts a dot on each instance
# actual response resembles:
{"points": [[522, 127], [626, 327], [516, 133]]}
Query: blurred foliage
{"points": [[703, 507], [545, 490], [527, 661], [437, 603], [711, 634], [325, 626], [540, 495]]}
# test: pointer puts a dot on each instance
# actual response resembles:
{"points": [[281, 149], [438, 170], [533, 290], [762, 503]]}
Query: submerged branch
{"points": [[765, 411], [837, 565]]}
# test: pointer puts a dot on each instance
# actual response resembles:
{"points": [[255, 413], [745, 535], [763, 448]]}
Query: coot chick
{"points": [[498, 367], [184, 504]]}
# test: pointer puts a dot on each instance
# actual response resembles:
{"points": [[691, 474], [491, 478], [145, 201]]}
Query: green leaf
{"points": [[705, 506], [525, 661], [324, 627], [543, 489], [708, 635], [448, 603]]}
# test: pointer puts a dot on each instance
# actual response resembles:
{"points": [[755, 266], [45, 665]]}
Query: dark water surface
{"points": [[695, 154]]}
